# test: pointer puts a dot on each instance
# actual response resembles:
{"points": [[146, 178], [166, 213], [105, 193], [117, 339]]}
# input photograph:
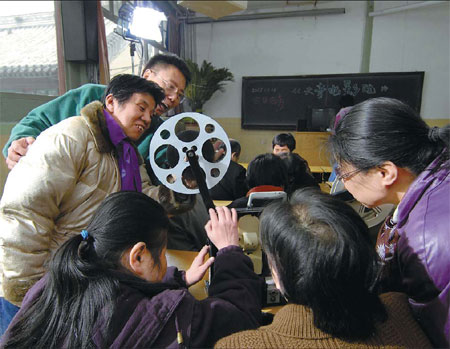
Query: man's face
{"points": [[277, 149], [171, 80]]}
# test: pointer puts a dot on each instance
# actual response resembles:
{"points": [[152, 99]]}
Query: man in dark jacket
{"points": [[233, 185]]}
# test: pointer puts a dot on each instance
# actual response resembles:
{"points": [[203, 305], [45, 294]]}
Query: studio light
{"points": [[146, 23], [137, 23]]}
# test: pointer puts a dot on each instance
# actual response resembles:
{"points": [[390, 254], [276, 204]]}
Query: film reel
{"points": [[172, 140]]}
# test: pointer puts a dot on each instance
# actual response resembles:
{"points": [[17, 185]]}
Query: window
{"points": [[28, 63]]}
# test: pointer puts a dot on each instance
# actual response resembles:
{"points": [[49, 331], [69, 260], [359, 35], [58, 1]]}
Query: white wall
{"points": [[283, 46], [414, 40]]}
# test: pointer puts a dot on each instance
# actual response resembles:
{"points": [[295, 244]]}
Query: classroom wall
{"points": [[412, 40], [408, 41]]}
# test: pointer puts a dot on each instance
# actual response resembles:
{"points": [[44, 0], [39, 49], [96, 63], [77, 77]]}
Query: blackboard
{"points": [[284, 102]]}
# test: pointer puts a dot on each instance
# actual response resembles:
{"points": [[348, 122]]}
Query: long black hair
{"points": [[84, 274], [386, 129], [320, 249]]}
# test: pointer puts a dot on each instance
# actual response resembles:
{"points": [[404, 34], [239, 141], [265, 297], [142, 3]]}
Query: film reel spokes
{"points": [[173, 140]]}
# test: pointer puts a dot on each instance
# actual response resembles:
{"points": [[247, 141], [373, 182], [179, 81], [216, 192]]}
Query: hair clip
{"points": [[84, 234]]}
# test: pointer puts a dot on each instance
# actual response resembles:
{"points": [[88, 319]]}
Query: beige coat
{"points": [[51, 194]]}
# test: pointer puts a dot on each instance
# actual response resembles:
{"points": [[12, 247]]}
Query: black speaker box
{"points": [[80, 33]]}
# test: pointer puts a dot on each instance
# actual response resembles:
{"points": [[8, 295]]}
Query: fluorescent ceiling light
{"points": [[146, 23]]}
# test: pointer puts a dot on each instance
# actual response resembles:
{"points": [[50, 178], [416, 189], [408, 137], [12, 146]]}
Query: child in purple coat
{"points": [[110, 285]]}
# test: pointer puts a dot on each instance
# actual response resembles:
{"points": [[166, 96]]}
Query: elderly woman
{"points": [[52, 192], [387, 154], [109, 286], [322, 262]]}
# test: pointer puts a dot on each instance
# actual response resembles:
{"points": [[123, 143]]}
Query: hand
{"points": [[198, 269], [17, 149], [222, 227]]}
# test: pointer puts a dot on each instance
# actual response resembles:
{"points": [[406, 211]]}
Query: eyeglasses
{"points": [[171, 89], [344, 176]]}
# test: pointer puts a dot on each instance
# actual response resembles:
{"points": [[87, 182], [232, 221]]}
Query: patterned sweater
{"points": [[293, 327]]}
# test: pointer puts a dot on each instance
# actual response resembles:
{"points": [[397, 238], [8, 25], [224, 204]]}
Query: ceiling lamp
{"points": [[214, 9]]}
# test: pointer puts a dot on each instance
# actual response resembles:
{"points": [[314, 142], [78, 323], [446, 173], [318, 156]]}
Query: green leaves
{"points": [[206, 80]]}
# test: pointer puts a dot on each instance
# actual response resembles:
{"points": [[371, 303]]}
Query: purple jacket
{"points": [[423, 251], [234, 304]]}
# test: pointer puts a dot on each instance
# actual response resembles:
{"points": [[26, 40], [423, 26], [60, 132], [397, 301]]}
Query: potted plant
{"points": [[206, 80]]}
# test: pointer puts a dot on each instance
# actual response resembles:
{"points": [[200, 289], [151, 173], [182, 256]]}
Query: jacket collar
{"points": [[93, 115], [294, 320]]}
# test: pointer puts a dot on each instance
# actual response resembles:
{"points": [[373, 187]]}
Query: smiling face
{"points": [[133, 115], [171, 80]]}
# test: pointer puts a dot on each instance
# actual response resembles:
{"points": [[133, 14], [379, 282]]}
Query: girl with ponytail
{"points": [[386, 153], [110, 286]]}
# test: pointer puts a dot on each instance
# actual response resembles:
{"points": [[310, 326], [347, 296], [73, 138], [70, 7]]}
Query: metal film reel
{"points": [[168, 152]]}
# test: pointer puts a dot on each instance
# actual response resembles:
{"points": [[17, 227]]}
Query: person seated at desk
{"points": [[387, 154], [110, 286], [52, 192], [232, 186], [283, 143], [321, 260], [265, 173]]}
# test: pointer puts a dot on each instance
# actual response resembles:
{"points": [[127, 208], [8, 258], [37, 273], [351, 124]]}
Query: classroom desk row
{"points": [[183, 260]]}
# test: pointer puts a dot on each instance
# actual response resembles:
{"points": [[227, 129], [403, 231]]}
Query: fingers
{"points": [[19, 147], [213, 216], [208, 227], [30, 140], [201, 255], [207, 264], [10, 163], [234, 215]]}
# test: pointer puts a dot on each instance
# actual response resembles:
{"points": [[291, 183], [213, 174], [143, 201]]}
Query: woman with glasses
{"points": [[386, 153]]}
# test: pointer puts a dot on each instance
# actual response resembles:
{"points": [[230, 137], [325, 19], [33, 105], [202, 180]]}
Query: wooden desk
{"points": [[222, 202]]}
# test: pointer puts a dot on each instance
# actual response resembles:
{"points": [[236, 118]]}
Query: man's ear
{"points": [[136, 257], [109, 103], [388, 172], [146, 74]]}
